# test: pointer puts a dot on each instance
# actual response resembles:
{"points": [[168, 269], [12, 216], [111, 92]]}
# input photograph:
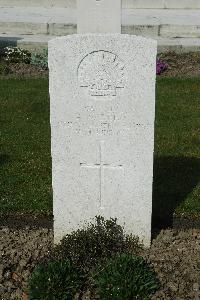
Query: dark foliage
{"points": [[125, 277], [17, 55], [57, 280], [4, 70], [40, 59], [88, 246]]}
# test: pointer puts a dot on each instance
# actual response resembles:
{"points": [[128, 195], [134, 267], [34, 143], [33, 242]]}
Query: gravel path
{"points": [[19, 252], [175, 255]]}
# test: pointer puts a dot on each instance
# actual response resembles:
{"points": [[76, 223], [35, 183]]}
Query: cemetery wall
{"points": [[169, 4]]}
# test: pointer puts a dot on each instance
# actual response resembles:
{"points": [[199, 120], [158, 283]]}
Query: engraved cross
{"points": [[101, 167]]}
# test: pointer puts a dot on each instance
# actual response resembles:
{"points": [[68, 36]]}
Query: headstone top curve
{"points": [[83, 36]]}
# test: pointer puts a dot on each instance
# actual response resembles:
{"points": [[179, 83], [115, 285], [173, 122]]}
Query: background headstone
{"points": [[99, 16], [102, 90]]}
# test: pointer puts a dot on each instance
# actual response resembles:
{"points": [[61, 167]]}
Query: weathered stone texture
{"points": [[102, 90]]}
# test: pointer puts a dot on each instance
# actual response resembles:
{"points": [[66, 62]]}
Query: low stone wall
{"points": [[165, 4]]}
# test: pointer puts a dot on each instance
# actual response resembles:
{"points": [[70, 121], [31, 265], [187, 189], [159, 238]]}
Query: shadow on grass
{"points": [[4, 158], [174, 179]]}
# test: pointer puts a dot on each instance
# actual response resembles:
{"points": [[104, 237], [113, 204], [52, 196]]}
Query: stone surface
{"points": [[38, 3], [99, 16], [61, 21], [164, 4], [102, 90], [36, 43], [177, 30]]}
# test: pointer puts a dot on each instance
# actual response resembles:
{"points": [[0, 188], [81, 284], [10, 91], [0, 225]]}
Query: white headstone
{"points": [[99, 16], [102, 90]]}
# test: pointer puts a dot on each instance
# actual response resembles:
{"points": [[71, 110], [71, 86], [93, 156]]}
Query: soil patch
{"points": [[27, 70], [174, 254], [179, 65], [21, 221], [184, 221], [22, 70]]}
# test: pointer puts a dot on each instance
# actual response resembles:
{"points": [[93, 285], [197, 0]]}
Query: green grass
{"points": [[177, 148], [25, 160]]}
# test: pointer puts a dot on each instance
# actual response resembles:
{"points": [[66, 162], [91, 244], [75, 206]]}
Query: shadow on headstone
{"points": [[174, 179]]}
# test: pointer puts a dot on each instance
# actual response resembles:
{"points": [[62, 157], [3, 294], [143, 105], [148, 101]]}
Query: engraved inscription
{"points": [[102, 73], [101, 166], [92, 121]]}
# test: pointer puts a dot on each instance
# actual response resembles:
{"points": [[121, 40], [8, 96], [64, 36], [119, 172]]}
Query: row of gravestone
{"points": [[102, 90]]}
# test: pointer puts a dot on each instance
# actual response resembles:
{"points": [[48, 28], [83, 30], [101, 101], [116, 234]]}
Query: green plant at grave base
{"points": [[57, 280], [17, 55], [125, 277], [73, 266], [87, 247], [40, 59]]}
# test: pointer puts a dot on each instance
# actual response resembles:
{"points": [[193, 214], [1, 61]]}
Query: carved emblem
{"points": [[102, 73]]}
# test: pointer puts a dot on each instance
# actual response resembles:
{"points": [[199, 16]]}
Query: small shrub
{"points": [[125, 277], [4, 70], [91, 246], [17, 55], [86, 247], [57, 280], [40, 59], [161, 66]]}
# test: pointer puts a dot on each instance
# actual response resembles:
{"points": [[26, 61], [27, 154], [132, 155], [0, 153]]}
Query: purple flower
{"points": [[161, 66]]}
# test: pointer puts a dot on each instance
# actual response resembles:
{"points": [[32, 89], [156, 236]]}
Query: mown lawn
{"points": [[177, 148], [25, 160]]}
